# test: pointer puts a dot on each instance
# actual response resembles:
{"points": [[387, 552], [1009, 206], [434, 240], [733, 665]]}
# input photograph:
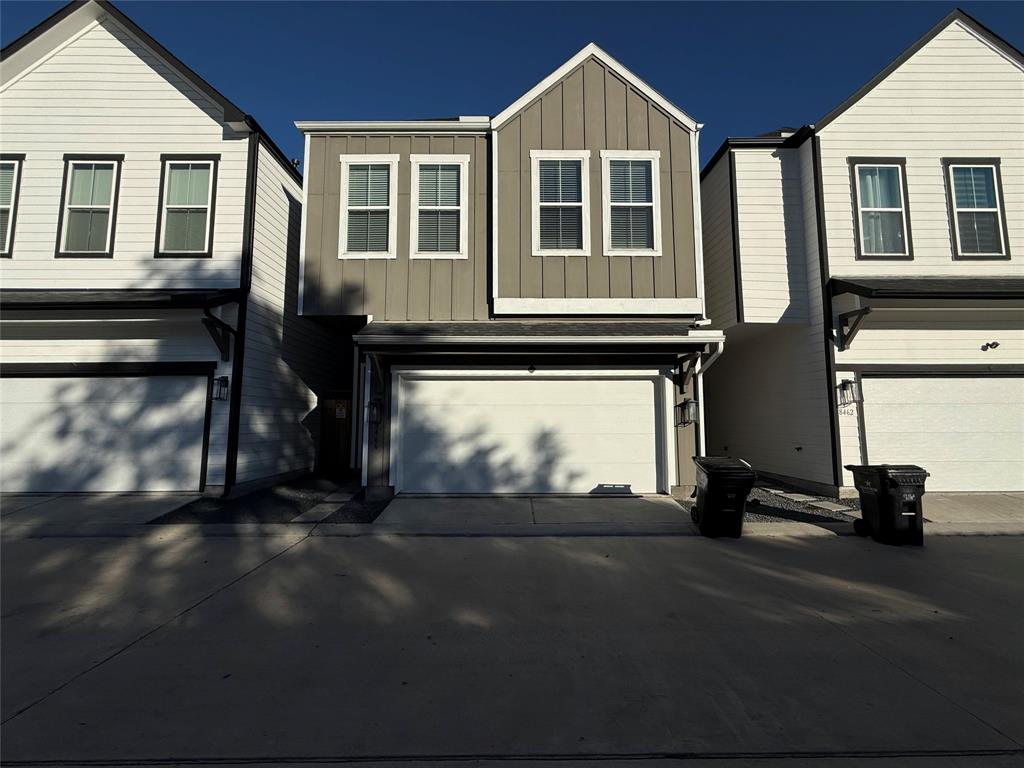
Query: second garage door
{"points": [[967, 432], [529, 434], [102, 434]]}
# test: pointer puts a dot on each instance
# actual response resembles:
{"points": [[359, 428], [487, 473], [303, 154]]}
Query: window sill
{"points": [[884, 256], [438, 256], [632, 252], [183, 255], [562, 252], [981, 257], [369, 256]]}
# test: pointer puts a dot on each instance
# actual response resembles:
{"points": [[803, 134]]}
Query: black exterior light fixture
{"points": [[221, 386], [687, 413], [849, 392]]}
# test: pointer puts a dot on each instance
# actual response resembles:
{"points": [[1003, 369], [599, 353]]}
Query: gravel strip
{"points": [[763, 506]]}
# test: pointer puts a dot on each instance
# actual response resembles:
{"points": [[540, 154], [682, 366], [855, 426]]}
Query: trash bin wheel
{"points": [[861, 528]]}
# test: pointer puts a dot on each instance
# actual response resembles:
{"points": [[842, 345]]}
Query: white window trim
{"points": [[583, 156], [392, 251], [68, 207], [607, 155], [12, 208], [996, 210], [414, 206], [165, 206], [902, 210]]}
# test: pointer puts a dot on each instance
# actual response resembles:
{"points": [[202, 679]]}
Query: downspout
{"points": [[245, 284], [700, 366]]}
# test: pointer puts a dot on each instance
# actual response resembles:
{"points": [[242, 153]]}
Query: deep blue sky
{"points": [[740, 68]]}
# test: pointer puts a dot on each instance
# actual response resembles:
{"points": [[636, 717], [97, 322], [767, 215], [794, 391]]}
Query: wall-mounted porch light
{"points": [[686, 413], [221, 386], [849, 392]]}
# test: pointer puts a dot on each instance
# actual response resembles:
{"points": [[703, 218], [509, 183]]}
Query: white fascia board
{"points": [[507, 306], [691, 338], [302, 228], [592, 49], [470, 125]]}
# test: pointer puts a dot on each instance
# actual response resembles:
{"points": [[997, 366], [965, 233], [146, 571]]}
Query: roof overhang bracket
{"points": [[687, 370], [848, 325], [220, 332]]}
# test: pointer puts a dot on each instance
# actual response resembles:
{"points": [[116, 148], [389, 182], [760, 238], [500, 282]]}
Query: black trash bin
{"points": [[890, 502], [722, 488]]}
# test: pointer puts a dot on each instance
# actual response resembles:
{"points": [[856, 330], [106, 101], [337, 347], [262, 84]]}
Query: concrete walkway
{"points": [[176, 647]]}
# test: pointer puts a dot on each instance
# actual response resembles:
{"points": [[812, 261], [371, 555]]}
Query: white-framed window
{"points": [[561, 202], [10, 178], [631, 202], [89, 206], [976, 207], [188, 193], [882, 229], [439, 218], [369, 211]]}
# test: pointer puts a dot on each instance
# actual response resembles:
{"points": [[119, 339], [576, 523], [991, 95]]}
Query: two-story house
{"points": [[519, 297], [149, 273], [867, 273]]}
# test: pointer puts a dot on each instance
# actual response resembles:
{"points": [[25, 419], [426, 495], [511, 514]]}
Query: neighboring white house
{"points": [[149, 273], [869, 273]]}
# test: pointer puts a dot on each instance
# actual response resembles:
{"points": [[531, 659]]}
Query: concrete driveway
{"points": [[176, 647]]}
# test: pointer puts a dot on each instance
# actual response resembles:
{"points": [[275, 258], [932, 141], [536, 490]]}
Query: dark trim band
{"points": [[925, 370], [737, 268], [245, 284], [104, 370]]}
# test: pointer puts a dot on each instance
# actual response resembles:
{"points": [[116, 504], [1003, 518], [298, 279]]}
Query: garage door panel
{"points": [[575, 418], [102, 434], [967, 432], [543, 435]]}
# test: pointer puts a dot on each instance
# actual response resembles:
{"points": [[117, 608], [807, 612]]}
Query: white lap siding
{"points": [[717, 234], [955, 97], [104, 92], [148, 337], [286, 357]]}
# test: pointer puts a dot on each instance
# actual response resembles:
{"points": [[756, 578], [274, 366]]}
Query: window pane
{"points": [[879, 186], [379, 184], [5, 223], [185, 230], [6, 183], [438, 232], [883, 233], [80, 192], [91, 184], [188, 184], [630, 181], [86, 231], [561, 227], [979, 232], [974, 187], [439, 185], [560, 181], [632, 227], [358, 179], [367, 231]]}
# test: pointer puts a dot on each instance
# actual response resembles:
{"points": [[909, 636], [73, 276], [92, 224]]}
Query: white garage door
{"points": [[101, 434], [529, 435], [967, 432]]}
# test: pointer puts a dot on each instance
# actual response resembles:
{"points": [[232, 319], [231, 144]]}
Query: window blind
{"points": [[369, 187], [90, 192], [561, 204], [632, 204], [439, 213], [977, 211], [186, 207]]}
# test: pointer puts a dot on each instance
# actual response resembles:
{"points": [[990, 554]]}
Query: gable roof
{"points": [[799, 136], [957, 15], [88, 11], [592, 49], [24, 51]]}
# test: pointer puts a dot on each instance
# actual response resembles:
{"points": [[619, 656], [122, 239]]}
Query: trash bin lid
{"points": [[898, 472], [723, 465]]}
